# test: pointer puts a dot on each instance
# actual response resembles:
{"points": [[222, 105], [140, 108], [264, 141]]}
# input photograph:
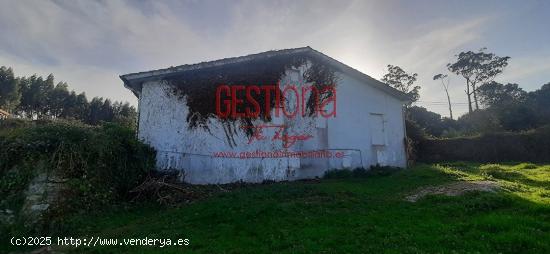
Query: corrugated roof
{"points": [[133, 81]]}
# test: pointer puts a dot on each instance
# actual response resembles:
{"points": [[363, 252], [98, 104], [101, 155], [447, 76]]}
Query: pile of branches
{"points": [[166, 189]]}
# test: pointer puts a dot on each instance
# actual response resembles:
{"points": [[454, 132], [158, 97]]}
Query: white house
{"points": [[177, 117]]}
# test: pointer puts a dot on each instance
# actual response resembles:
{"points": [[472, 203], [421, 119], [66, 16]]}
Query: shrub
{"points": [[100, 164], [415, 136]]}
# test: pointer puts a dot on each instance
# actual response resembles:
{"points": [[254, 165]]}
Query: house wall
{"points": [[162, 124], [353, 127]]}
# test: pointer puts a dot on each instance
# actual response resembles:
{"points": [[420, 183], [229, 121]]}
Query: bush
{"points": [[100, 164], [415, 136], [530, 146]]}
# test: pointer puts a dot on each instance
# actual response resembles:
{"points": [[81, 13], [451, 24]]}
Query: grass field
{"points": [[347, 215]]}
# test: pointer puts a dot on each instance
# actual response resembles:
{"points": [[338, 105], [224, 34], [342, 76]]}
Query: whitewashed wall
{"points": [[162, 124], [352, 128]]}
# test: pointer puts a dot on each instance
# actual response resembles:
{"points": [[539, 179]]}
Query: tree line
{"points": [[36, 97], [492, 106]]}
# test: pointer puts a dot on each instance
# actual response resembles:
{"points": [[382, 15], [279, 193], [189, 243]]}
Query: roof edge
{"points": [[134, 81]]}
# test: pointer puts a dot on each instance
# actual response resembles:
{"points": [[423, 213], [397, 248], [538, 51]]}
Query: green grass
{"points": [[347, 215]]}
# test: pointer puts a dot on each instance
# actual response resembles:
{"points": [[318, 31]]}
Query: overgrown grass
{"points": [[347, 215]]}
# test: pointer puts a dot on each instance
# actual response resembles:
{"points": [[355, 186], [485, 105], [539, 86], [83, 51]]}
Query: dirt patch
{"points": [[453, 189]]}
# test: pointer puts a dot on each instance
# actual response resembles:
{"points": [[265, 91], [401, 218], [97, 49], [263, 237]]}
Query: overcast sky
{"points": [[90, 43]]}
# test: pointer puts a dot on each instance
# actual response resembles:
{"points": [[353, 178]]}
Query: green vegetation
{"points": [[492, 106], [99, 164], [356, 213], [533, 146], [36, 97], [506, 108], [402, 81]]}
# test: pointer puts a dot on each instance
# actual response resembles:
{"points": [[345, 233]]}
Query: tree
{"points": [[35, 92], [477, 68], [46, 89], [31, 96], [479, 121], [107, 112], [496, 94], [540, 101], [402, 81], [427, 120], [58, 100], [9, 89], [124, 114], [95, 111], [81, 107], [431, 122], [516, 116], [35, 97], [445, 85]]}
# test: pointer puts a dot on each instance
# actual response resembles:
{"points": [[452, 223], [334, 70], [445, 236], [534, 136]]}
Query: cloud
{"points": [[90, 43], [521, 70], [429, 54]]}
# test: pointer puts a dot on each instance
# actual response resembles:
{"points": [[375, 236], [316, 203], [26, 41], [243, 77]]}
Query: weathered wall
{"points": [[163, 125]]}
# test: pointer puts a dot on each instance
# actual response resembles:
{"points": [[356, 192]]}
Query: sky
{"points": [[90, 43]]}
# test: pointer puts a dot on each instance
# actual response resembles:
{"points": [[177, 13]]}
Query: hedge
{"points": [[531, 146]]}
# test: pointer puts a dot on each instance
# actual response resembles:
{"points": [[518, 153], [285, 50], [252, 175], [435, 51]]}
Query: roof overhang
{"points": [[134, 81]]}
